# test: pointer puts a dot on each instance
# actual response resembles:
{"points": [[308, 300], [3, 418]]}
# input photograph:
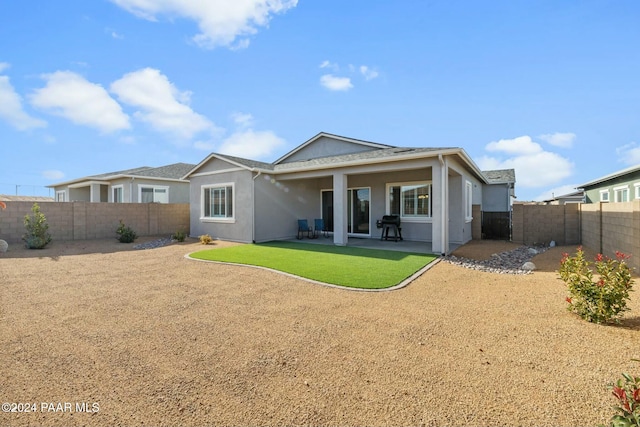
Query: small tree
{"points": [[125, 233], [37, 235]]}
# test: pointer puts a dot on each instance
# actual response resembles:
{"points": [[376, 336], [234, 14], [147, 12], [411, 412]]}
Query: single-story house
{"points": [[164, 184], [621, 186], [346, 182], [573, 197]]}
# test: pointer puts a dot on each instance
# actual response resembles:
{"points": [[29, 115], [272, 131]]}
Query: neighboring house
{"points": [[496, 204], [35, 199], [141, 185], [621, 186], [348, 183], [573, 197]]}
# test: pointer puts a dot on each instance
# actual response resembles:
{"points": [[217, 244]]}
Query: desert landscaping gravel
{"points": [[131, 337]]}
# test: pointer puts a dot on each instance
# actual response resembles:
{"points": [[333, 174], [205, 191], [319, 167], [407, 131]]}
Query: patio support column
{"points": [[340, 201], [439, 207], [94, 193]]}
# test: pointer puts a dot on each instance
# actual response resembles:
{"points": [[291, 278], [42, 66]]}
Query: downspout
{"points": [[253, 205], [443, 205]]}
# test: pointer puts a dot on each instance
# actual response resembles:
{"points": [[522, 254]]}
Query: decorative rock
{"points": [[552, 243], [154, 244], [3, 246], [509, 262], [528, 266]]}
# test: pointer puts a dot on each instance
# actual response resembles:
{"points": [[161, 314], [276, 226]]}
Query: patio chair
{"points": [[303, 227], [318, 227]]}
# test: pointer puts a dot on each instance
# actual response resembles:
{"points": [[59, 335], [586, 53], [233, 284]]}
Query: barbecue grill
{"points": [[390, 222]]}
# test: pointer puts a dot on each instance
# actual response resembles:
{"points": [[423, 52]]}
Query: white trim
{"points": [[219, 172], [322, 190], [604, 199], [414, 218], [154, 187], [636, 186], [112, 195], [617, 193], [468, 200], [88, 184], [64, 195], [228, 220]]}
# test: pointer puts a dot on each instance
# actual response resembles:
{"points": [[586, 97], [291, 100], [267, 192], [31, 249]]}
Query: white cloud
{"points": [[71, 96], [160, 103], [204, 145], [252, 144], [221, 22], [629, 153], [4, 66], [334, 83], [11, 108], [534, 166], [559, 139], [368, 73], [53, 175], [242, 120]]}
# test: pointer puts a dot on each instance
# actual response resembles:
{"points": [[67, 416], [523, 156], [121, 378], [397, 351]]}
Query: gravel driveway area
{"points": [[98, 333]]}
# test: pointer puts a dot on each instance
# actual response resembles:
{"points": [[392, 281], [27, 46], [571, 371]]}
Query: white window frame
{"points": [[468, 193], [225, 219], [113, 193], [604, 196], [154, 187], [618, 191], [410, 218], [636, 186], [61, 196]]}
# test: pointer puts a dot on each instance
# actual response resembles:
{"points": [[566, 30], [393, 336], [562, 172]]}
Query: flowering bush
{"points": [[597, 301], [627, 392]]}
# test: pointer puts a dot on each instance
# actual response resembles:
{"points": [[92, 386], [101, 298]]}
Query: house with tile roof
{"points": [[164, 184], [350, 184]]}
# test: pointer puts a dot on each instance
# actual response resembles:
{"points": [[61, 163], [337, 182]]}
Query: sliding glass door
{"points": [[358, 215]]}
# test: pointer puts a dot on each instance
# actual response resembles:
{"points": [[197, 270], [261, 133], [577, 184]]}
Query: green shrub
{"points": [[126, 234], [627, 393], [597, 301], [37, 235], [205, 239], [179, 236]]}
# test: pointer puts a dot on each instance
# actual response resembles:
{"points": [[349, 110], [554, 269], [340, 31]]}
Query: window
{"points": [[621, 194], [61, 196], [217, 202], [468, 194], [409, 200], [154, 194], [637, 190], [604, 195], [117, 192]]}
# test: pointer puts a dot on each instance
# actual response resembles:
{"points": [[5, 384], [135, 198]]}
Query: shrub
{"points": [[37, 235], [126, 234], [205, 239], [627, 393], [597, 301], [179, 236]]}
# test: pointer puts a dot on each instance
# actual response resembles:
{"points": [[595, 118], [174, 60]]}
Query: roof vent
{"points": [[403, 150]]}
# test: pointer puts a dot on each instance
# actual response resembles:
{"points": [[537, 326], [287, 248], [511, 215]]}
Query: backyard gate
{"points": [[496, 225]]}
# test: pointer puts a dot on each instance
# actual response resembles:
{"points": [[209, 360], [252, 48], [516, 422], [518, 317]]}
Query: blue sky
{"points": [[550, 88]]}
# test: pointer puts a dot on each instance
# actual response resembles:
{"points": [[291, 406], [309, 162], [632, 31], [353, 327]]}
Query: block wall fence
{"points": [[601, 227], [85, 220]]}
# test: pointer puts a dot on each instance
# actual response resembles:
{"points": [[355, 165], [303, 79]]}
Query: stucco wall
{"points": [[85, 220], [324, 147]]}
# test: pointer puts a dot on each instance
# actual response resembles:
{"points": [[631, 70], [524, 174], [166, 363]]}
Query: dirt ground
{"points": [[97, 333]]}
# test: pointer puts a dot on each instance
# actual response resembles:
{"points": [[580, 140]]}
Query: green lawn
{"points": [[338, 265]]}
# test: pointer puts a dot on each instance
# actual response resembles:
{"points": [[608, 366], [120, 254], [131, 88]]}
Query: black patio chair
{"points": [[318, 227], [303, 227]]}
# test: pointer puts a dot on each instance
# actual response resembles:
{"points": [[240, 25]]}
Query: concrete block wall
{"points": [[84, 220], [476, 224], [540, 224]]}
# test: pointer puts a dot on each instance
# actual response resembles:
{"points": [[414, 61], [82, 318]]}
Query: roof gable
{"points": [[501, 176], [328, 145], [618, 174]]}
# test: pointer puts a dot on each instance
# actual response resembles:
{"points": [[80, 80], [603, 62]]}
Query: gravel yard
{"points": [[147, 337]]}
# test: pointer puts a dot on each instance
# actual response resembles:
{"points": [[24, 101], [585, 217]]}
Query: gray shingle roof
{"points": [[364, 155], [173, 171], [501, 176]]}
